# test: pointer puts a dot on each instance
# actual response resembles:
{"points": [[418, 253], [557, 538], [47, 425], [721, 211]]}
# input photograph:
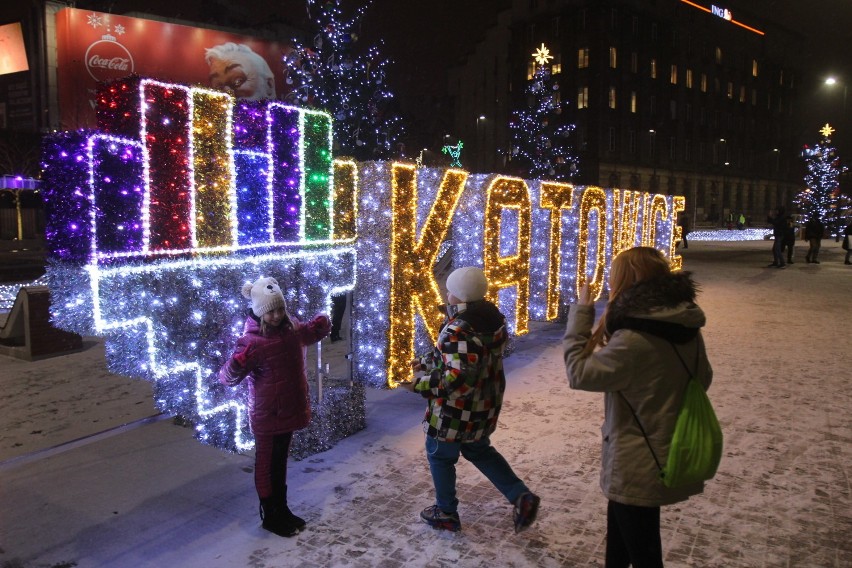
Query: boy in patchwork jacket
{"points": [[464, 384]]}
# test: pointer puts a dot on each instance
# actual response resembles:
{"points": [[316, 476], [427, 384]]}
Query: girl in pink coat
{"points": [[270, 356]]}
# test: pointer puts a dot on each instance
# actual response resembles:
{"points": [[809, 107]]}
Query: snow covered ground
{"points": [[87, 479]]}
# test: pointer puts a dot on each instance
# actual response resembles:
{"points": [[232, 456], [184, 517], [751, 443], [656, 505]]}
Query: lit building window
{"points": [[530, 70], [742, 94], [613, 58], [673, 75], [703, 82], [633, 103], [583, 97], [730, 90], [653, 69], [689, 78], [754, 67], [582, 58], [612, 97], [556, 66], [718, 55]]}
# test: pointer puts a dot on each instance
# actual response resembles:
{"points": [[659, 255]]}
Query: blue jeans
{"points": [[443, 457]]}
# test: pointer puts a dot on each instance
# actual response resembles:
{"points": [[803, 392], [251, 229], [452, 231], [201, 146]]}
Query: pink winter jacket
{"points": [[275, 367]]}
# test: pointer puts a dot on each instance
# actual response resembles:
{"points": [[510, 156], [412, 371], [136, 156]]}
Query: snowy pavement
{"points": [[77, 488]]}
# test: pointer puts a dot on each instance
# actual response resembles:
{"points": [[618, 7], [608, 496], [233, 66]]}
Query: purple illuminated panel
{"points": [[286, 172], [250, 126], [65, 192], [118, 185]]}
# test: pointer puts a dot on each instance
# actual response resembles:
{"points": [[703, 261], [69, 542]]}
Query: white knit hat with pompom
{"points": [[265, 295]]}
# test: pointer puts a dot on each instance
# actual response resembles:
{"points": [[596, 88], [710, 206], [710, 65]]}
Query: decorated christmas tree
{"points": [[540, 133], [820, 196], [349, 83]]}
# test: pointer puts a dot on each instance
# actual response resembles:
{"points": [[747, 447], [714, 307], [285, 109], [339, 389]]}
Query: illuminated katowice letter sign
{"points": [[157, 219]]}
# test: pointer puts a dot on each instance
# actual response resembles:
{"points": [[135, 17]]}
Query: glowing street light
{"points": [[831, 81]]}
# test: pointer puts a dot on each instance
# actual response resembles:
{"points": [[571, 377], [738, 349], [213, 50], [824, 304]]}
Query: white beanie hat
{"points": [[468, 284], [265, 295]]}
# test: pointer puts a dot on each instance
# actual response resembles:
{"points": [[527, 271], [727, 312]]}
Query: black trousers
{"points": [[633, 536], [270, 464]]}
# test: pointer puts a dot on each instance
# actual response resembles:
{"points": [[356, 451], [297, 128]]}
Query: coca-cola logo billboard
{"points": [[107, 60]]}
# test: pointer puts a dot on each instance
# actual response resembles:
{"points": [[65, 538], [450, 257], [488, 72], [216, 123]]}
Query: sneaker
{"points": [[439, 520], [526, 509]]}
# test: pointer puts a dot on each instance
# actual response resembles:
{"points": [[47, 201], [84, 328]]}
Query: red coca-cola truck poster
{"points": [[95, 46]]}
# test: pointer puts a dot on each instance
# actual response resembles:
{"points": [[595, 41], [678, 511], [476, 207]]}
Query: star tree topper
{"points": [[826, 130], [542, 55]]}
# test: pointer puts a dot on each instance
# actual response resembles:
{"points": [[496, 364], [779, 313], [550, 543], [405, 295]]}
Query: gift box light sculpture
{"points": [[182, 194], [157, 219]]}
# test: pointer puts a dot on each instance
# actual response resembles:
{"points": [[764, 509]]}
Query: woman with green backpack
{"points": [[643, 354]]}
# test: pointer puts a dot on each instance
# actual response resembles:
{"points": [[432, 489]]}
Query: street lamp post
{"points": [[480, 143], [652, 154]]}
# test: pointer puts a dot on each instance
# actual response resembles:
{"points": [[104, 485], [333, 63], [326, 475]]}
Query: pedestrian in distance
{"points": [[270, 357], [338, 308], [464, 385], [814, 230], [847, 243], [640, 355], [790, 238], [683, 222], [779, 228]]}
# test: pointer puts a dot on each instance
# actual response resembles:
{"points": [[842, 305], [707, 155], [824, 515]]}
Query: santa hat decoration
{"points": [[468, 284], [265, 295]]}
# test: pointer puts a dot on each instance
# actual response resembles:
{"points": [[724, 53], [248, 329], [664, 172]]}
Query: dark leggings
{"points": [[270, 463], [633, 536]]}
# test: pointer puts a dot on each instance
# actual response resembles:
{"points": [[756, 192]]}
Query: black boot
{"points": [[274, 519], [287, 515]]}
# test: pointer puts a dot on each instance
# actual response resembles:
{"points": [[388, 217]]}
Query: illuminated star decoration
{"points": [[454, 152], [542, 55], [826, 130]]}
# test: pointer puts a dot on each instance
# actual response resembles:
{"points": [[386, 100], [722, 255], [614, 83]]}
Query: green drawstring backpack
{"points": [[696, 446]]}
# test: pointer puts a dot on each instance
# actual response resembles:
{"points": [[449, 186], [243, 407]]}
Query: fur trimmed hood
{"points": [[662, 306]]}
